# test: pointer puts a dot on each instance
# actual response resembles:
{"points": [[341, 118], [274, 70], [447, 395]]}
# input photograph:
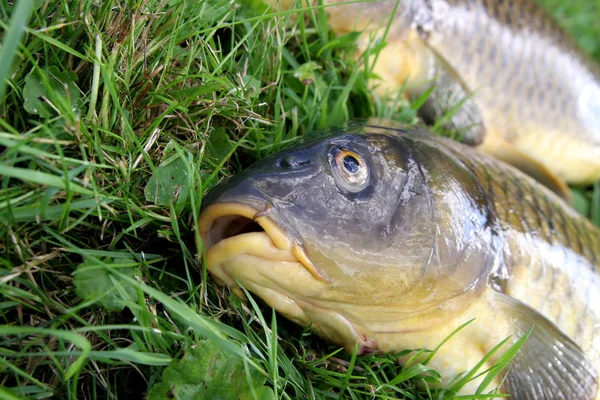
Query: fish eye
{"points": [[350, 170]]}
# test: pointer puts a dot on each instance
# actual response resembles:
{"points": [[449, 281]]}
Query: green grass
{"points": [[100, 284]]}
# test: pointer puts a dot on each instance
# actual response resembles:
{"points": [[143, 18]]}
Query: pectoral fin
{"points": [[549, 365], [450, 105], [508, 153]]}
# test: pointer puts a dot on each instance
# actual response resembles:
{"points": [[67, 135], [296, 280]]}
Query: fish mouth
{"points": [[246, 247], [233, 229]]}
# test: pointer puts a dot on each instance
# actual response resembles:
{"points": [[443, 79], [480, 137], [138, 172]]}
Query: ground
{"points": [[117, 117]]}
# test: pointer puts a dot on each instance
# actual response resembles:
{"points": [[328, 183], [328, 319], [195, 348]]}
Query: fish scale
{"points": [[536, 95], [542, 236]]}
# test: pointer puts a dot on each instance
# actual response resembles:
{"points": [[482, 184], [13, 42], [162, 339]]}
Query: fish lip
{"points": [[281, 239]]}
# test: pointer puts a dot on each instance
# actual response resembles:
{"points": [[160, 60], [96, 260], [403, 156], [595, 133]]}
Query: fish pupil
{"points": [[351, 164]]}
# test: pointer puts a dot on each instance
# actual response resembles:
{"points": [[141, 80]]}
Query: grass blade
{"points": [[12, 38]]}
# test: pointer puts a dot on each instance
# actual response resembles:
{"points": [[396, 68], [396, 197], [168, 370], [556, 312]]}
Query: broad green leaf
{"points": [[206, 372], [36, 91], [262, 393], [218, 144], [306, 72], [95, 282], [251, 86], [169, 184]]}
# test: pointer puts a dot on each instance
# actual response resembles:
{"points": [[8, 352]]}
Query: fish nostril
{"points": [[293, 162]]}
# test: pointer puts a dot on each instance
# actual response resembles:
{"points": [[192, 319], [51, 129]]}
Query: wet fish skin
{"points": [[534, 90], [440, 235], [552, 249]]}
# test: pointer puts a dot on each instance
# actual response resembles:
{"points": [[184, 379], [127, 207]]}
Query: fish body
{"points": [[525, 92], [390, 240]]}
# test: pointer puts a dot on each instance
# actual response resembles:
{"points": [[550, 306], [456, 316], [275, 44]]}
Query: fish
{"points": [[384, 239], [512, 80]]}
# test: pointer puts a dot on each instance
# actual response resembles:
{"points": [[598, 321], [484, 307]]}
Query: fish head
{"points": [[353, 233]]}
